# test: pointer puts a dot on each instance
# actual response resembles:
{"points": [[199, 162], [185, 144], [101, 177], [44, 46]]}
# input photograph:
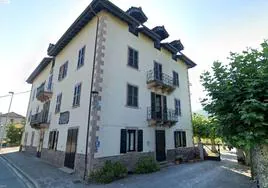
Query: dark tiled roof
{"points": [[137, 13], [187, 60], [43, 64], [12, 115]]}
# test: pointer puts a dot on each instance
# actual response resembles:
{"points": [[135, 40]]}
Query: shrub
{"points": [[179, 158], [146, 165], [109, 172]]}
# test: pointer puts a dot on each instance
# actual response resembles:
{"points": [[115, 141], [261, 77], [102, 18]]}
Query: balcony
{"points": [[160, 81], [43, 94], [163, 119], [40, 120]]}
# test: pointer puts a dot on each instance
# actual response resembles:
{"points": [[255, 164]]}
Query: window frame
{"points": [[177, 106], [134, 99], [53, 140], [77, 96], [135, 58], [63, 71], [81, 57], [58, 103], [176, 80], [179, 139]]}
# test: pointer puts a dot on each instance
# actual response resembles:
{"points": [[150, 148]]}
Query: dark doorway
{"points": [[71, 148], [45, 112], [160, 145]]}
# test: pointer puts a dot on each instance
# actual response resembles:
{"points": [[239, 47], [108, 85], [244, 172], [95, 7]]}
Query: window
{"points": [[53, 140], [33, 96], [175, 78], [11, 121], [63, 71], [158, 71], [32, 138], [132, 96], [77, 93], [133, 58], [58, 103], [177, 107], [37, 110], [180, 139], [49, 85], [81, 55], [131, 140]]}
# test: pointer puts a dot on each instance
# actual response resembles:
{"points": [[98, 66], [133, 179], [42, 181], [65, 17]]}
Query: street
{"points": [[206, 174], [8, 178]]}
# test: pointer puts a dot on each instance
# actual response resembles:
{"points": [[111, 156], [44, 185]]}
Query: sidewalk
{"points": [[43, 173]]}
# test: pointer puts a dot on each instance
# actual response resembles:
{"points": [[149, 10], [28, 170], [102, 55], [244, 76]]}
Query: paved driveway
{"points": [[206, 174], [8, 177]]}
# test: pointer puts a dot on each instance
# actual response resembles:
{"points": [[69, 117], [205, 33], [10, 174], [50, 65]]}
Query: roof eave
{"points": [[186, 60]]}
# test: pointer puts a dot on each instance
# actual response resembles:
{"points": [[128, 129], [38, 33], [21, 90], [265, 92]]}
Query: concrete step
{"points": [[67, 170], [165, 164]]}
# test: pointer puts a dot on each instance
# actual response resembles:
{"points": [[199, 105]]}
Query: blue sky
{"points": [[208, 29]]}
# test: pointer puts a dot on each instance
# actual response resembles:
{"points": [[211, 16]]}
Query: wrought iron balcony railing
{"points": [[165, 117], [40, 120], [43, 93], [160, 80]]}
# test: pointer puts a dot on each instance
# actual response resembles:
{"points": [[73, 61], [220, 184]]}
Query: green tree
{"points": [[199, 125], [14, 134], [237, 96]]}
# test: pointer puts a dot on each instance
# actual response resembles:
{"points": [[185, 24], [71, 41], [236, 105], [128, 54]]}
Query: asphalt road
{"points": [[8, 179]]}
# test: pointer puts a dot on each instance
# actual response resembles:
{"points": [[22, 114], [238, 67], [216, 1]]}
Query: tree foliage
{"points": [[238, 96], [14, 134]]}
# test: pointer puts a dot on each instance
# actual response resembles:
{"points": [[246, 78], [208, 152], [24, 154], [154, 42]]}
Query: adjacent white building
{"points": [[9, 118], [140, 93]]}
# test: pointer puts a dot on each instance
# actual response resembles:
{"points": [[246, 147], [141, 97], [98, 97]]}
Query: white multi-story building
{"points": [[138, 86]]}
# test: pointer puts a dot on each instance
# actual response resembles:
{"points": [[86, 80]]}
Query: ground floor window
{"points": [[53, 140], [131, 140], [180, 139], [32, 139]]}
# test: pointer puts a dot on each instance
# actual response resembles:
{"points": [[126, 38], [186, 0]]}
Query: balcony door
{"points": [[46, 111], [157, 71], [158, 106]]}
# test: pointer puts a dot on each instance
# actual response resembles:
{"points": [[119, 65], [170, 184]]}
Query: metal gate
{"points": [[211, 153]]}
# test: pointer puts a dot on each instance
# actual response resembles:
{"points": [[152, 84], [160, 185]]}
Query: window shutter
{"points": [[183, 139], [140, 140], [49, 140], [179, 139], [123, 141], [165, 108], [56, 140], [153, 114], [175, 139]]}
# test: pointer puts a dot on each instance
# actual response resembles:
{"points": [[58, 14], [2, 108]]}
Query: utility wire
{"points": [[15, 94]]}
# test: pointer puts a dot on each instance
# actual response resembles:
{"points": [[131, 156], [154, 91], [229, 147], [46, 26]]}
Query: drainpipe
{"points": [[91, 92]]}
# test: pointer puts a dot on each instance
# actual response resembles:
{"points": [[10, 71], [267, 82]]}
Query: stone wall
{"points": [[128, 159], [79, 164], [56, 158], [188, 153], [30, 150]]}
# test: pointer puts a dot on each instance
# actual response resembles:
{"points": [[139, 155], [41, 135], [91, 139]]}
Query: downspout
{"points": [[90, 94]]}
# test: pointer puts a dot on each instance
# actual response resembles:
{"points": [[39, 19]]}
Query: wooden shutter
{"points": [[175, 139], [49, 140], [56, 140], [123, 141], [179, 139], [153, 113], [183, 138], [140, 140], [165, 115]]}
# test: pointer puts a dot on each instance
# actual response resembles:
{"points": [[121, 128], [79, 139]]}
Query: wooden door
{"points": [[160, 142], [71, 145]]}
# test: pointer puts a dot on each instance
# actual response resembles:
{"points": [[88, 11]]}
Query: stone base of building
{"points": [[129, 159], [187, 153], [30, 150], [55, 158]]}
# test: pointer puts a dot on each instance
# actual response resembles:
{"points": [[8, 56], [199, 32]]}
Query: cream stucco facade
{"points": [[113, 74]]}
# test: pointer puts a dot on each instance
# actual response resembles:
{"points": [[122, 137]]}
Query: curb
{"points": [[30, 182]]}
